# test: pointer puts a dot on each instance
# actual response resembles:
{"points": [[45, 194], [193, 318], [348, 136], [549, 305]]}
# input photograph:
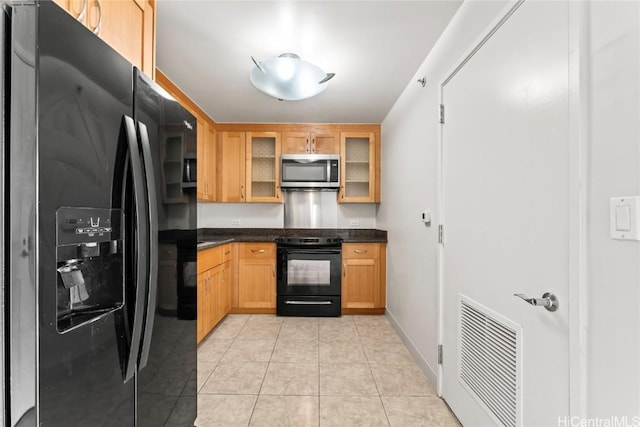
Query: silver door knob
{"points": [[548, 301]]}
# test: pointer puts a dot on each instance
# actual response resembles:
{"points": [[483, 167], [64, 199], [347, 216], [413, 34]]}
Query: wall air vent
{"points": [[489, 361]]}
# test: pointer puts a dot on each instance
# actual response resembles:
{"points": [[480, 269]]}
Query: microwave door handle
{"points": [[328, 171], [152, 288], [141, 237], [187, 169]]}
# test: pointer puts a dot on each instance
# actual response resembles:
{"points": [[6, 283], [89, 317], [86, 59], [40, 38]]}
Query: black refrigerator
{"points": [[91, 167]]}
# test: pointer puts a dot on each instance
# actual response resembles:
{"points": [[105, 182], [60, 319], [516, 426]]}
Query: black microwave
{"points": [[310, 171]]}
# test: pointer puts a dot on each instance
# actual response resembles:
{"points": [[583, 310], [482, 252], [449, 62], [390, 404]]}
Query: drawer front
{"points": [[209, 258], [257, 250], [360, 250], [227, 252]]}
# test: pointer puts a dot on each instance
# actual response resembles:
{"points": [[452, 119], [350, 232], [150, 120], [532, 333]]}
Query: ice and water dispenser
{"points": [[90, 264]]}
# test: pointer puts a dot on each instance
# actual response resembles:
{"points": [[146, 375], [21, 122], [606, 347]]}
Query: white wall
{"points": [[409, 186], [613, 338], [271, 215], [607, 118]]}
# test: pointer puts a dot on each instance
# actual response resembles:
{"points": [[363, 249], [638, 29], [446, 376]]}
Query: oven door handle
{"points": [[296, 302], [314, 251]]}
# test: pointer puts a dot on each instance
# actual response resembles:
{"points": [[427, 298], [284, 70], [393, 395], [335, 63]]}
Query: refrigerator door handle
{"points": [[142, 240], [153, 244]]}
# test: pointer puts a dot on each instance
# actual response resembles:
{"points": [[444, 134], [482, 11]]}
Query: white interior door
{"points": [[505, 187]]}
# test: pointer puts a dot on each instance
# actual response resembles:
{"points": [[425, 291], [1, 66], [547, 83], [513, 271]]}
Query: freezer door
{"points": [[84, 262], [4, 110], [21, 280]]}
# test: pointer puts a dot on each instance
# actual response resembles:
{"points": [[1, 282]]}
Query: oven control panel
{"points": [[312, 241]]}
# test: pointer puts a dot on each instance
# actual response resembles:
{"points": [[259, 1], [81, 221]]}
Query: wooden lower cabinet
{"points": [[214, 289], [203, 305], [363, 278], [257, 277]]}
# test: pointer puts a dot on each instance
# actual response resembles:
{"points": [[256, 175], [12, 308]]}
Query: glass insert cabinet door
{"points": [[357, 150], [263, 173]]}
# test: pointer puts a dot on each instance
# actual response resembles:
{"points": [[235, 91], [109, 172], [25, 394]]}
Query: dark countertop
{"points": [[211, 237]]}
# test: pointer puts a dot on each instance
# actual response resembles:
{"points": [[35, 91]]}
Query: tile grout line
{"points": [[372, 376], [265, 373]]}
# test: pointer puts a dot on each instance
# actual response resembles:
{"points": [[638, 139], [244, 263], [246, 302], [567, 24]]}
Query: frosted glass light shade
{"points": [[289, 78]]}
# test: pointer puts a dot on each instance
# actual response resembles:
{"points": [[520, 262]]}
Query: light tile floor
{"points": [[264, 370]]}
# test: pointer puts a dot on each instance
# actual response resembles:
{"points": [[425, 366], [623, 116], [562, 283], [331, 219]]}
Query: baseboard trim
{"points": [[422, 363]]}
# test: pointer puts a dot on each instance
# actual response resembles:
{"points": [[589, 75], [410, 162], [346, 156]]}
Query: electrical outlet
{"points": [[355, 222], [235, 222]]}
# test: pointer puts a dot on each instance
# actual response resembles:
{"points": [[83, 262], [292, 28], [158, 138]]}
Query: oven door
{"points": [[309, 271]]}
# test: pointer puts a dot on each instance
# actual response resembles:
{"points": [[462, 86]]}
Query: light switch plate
{"points": [[623, 218]]}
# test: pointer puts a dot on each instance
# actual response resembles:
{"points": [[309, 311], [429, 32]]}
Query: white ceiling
{"points": [[374, 47]]}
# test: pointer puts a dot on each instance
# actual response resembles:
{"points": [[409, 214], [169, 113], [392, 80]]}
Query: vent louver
{"points": [[489, 361]]}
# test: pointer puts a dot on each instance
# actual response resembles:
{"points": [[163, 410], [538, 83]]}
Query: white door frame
{"points": [[578, 174]]}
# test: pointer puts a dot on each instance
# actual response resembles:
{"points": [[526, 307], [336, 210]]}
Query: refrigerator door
{"points": [[167, 377], [84, 265], [20, 114], [4, 110]]}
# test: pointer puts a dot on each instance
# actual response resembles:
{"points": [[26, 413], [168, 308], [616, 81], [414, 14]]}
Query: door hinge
{"points": [[441, 113], [440, 354], [440, 233]]}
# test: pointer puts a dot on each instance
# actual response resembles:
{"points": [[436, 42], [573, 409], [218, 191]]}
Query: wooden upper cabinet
{"points": [[359, 169], [126, 25], [231, 164], [325, 143], [206, 167], [310, 143], [263, 167]]}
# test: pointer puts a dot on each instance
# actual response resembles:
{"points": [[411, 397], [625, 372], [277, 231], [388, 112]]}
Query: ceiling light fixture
{"points": [[289, 78]]}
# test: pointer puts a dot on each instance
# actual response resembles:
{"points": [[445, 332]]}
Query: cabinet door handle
{"points": [[313, 145], [360, 251], [273, 271], [83, 12], [257, 251], [96, 29], [307, 148], [342, 191], [278, 192], [242, 191], [344, 270]]}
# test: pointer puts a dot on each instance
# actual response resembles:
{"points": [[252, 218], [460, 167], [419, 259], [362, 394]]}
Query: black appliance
{"points": [[308, 276], [82, 207], [310, 171]]}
